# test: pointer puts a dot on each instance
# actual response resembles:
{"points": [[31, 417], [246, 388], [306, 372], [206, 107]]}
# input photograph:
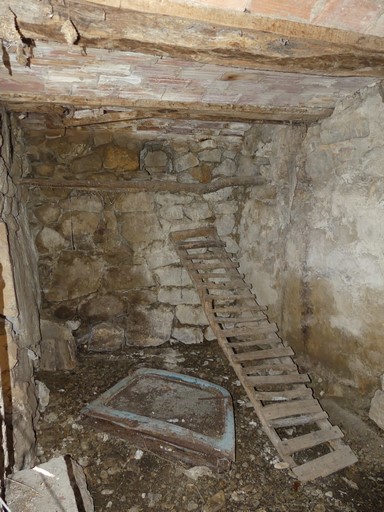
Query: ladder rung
{"points": [[292, 408], [238, 320], [200, 244], [325, 465], [280, 367], [226, 298], [253, 343], [210, 266], [293, 421], [187, 234], [269, 353], [291, 378], [231, 285], [288, 394], [203, 256], [236, 309], [250, 331], [306, 441]]}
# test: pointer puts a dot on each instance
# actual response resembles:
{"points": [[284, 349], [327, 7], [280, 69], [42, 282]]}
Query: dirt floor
{"points": [[122, 479]]}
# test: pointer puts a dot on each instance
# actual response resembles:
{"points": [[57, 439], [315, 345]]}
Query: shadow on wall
{"points": [[6, 437]]}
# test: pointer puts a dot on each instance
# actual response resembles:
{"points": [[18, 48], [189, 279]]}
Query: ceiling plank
{"points": [[206, 35]]}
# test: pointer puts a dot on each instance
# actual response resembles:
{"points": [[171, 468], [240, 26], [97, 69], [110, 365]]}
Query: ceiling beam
{"points": [[201, 34], [145, 109]]}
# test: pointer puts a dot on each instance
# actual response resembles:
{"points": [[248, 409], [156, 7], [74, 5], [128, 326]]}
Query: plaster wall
{"points": [[333, 294]]}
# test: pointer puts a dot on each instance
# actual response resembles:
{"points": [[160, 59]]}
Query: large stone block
{"points": [[79, 224], [176, 296], [376, 412], [187, 161], [148, 325], [85, 203], [191, 315], [135, 202], [120, 158], [58, 347], [8, 304], [140, 229], [173, 276], [89, 163], [160, 254], [210, 155], [188, 335], [127, 277], [50, 241], [106, 337], [58, 484], [75, 274], [101, 307], [47, 214]]}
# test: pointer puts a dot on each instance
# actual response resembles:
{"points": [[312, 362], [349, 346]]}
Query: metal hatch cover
{"points": [[179, 416]]}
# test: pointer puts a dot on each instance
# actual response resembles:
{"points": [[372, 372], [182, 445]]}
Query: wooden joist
{"points": [[276, 388]]}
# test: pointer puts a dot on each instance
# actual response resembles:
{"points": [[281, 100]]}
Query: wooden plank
{"points": [[291, 378], [202, 256], [200, 244], [239, 39], [185, 234], [294, 421], [279, 367], [253, 343], [209, 266], [250, 331], [227, 298], [223, 286], [270, 353], [325, 465], [292, 408], [240, 320], [306, 441], [284, 394], [237, 309]]}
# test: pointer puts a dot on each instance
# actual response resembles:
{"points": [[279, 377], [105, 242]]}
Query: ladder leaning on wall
{"points": [[263, 363]]}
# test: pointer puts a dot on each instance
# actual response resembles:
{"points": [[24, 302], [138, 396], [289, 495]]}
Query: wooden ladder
{"points": [[263, 363]]}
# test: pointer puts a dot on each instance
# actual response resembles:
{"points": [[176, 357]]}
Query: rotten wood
{"points": [[203, 34], [152, 109], [150, 185]]}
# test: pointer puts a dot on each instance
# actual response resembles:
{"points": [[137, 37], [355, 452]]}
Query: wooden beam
{"points": [[150, 185], [166, 109], [202, 34]]}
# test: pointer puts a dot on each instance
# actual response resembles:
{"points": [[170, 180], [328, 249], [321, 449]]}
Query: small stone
{"points": [[42, 394], [197, 472], [215, 503], [191, 506]]}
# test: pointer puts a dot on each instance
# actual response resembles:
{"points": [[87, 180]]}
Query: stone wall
{"points": [[334, 283], [19, 298], [265, 219], [108, 272]]}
